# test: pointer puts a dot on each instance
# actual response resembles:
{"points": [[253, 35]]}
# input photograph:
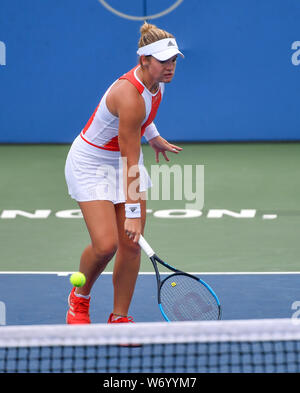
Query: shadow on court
{"points": [[42, 298]]}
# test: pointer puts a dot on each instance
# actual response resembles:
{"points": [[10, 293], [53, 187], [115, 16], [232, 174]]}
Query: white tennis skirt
{"points": [[96, 174]]}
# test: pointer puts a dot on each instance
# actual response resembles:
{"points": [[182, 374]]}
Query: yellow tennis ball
{"points": [[78, 279], [173, 284]]}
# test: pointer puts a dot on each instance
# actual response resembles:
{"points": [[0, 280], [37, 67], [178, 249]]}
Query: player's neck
{"points": [[151, 84]]}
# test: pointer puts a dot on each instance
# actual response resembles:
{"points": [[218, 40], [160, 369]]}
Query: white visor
{"points": [[162, 50]]}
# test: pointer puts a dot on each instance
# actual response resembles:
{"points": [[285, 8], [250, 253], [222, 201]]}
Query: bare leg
{"points": [[100, 218], [127, 263]]}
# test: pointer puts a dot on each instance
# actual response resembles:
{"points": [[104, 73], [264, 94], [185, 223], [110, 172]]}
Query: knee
{"points": [[105, 251]]}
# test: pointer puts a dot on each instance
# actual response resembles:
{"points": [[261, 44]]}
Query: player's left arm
{"points": [[161, 145]]}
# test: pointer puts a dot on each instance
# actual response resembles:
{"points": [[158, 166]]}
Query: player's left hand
{"points": [[160, 145]]}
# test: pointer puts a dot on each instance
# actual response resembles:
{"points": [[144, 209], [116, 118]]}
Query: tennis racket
{"points": [[182, 296]]}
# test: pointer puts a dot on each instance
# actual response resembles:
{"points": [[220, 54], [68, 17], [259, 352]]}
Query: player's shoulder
{"points": [[125, 93]]}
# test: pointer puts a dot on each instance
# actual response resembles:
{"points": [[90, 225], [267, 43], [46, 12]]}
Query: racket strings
{"points": [[184, 298]]}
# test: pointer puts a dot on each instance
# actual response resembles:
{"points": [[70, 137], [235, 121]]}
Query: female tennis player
{"points": [[106, 176]]}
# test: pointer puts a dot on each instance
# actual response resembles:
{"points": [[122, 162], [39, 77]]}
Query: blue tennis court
{"points": [[42, 298]]}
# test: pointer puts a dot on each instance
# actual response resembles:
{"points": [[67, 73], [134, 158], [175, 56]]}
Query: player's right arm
{"points": [[129, 106]]}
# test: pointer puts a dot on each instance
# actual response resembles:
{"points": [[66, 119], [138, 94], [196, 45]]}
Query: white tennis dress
{"points": [[94, 167]]}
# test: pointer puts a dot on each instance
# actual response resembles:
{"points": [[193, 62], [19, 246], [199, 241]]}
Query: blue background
{"points": [[236, 83]]}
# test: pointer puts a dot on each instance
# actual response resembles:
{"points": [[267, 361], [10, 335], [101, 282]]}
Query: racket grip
{"points": [[146, 247]]}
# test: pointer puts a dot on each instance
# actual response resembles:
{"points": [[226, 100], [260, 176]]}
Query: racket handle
{"points": [[146, 247]]}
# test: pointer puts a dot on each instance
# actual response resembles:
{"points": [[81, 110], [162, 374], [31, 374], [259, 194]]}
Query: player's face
{"points": [[162, 71]]}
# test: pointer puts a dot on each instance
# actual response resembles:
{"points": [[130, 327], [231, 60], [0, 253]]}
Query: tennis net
{"points": [[270, 345]]}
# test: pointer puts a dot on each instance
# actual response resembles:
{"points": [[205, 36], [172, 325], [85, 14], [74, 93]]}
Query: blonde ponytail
{"points": [[150, 33]]}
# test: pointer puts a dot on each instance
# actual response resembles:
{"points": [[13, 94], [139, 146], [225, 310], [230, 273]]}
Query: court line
{"points": [[151, 273]]}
